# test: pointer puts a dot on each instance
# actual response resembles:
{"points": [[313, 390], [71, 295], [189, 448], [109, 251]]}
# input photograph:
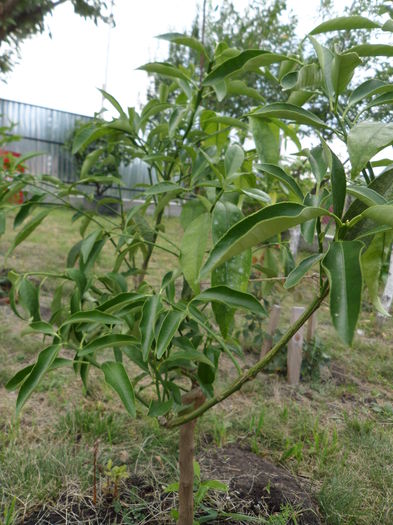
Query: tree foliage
{"points": [[21, 19]]}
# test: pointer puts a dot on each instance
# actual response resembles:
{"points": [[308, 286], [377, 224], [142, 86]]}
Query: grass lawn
{"points": [[334, 432]]}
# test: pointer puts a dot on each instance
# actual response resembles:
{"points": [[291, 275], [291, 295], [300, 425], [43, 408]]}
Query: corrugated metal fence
{"points": [[46, 130]]}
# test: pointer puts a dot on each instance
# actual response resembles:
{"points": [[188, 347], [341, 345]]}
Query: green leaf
{"points": [[159, 408], [188, 354], [42, 327], [317, 159], [184, 40], [116, 377], [231, 298], [44, 361], [238, 87], [367, 89], [366, 195], [120, 301], [279, 173], [267, 140], [227, 121], [190, 211], [380, 213], [192, 249], [342, 265], [107, 341], [371, 261], [372, 50], [365, 140], [167, 331], [147, 324], [343, 68], [87, 244], [339, 183], [165, 70], [345, 23], [18, 378], [301, 269], [92, 316], [257, 194], [236, 271], [234, 157], [236, 63], [114, 103], [290, 112], [257, 228], [90, 161], [28, 229], [29, 298]]}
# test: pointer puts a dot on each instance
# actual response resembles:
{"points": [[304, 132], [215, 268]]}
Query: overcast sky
{"points": [[64, 72]]}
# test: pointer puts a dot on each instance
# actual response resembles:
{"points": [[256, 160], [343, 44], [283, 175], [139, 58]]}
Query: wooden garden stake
{"points": [[295, 346], [273, 323], [311, 327]]}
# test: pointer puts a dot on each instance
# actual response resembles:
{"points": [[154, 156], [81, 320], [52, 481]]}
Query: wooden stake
{"points": [[273, 323], [295, 346], [311, 327]]}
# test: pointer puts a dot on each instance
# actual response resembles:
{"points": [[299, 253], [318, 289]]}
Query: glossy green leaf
{"points": [[385, 98], [234, 158], [257, 228], [301, 269], [266, 136], [233, 273], [116, 377], [227, 121], [366, 195], [318, 162], [231, 298], [342, 265], [184, 40], [339, 183], [159, 408], [42, 365], [192, 249], [90, 161], [114, 103], [120, 301], [380, 213], [147, 323], [365, 140], [279, 173], [367, 89], [87, 244], [28, 229], [165, 70], [107, 341], [238, 87], [42, 327], [167, 331], [92, 316], [371, 261], [257, 194], [345, 23], [187, 354], [29, 298], [161, 187], [343, 68], [190, 211], [290, 112], [238, 62], [372, 50]]}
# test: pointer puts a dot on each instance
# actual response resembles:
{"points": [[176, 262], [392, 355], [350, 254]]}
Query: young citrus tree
{"points": [[167, 347]]}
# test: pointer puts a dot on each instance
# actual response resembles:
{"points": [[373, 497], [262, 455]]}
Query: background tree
{"points": [[21, 19]]}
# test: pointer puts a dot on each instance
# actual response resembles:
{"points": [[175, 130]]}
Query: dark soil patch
{"points": [[256, 488]]}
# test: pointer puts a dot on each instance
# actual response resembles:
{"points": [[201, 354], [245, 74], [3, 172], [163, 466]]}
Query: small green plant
{"points": [[114, 475], [201, 489]]}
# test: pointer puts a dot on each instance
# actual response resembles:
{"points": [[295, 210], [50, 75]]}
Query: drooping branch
{"points": [[254, 371]]}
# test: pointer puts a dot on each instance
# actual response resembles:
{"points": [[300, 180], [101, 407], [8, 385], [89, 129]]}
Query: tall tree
{"points": [[21, 19]]}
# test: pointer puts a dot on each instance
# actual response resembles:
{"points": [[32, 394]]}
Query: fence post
{"points": [[273, 323], [295, 346]]}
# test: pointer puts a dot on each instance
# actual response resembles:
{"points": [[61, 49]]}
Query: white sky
{"points": [[64, 72]]}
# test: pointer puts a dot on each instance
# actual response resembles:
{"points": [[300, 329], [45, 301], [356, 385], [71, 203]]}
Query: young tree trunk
{"points": [[195, 398]]}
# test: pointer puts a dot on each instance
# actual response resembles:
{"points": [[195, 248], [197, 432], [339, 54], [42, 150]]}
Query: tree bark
{"points": [[387, 296], [195, 398]]}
